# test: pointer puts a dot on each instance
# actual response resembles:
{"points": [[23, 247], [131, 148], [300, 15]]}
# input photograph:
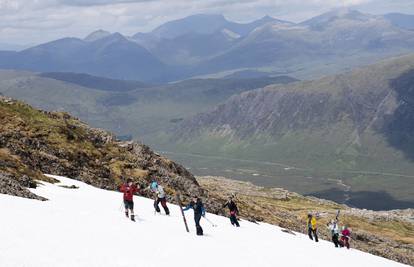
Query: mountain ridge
{"points": [[348, 122], [209, 44]]}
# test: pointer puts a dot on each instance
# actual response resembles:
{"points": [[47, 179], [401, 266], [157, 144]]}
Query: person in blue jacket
{"points": [[197, 205]]}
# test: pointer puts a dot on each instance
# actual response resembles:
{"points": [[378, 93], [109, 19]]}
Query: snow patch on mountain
{"points": [[87, 227]]}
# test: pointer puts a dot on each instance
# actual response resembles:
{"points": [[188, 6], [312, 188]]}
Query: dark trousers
{"points": [[233, 220], [344, 242], [163, 204], [313, 232], [335, 239], [197, 218]]}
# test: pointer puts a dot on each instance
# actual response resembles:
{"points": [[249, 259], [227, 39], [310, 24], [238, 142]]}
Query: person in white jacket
{"points": [[160, 197], [334, 228]]}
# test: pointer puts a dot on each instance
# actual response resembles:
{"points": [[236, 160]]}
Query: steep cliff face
{"points": [[356, 128], [342, 116], [33, 142]]}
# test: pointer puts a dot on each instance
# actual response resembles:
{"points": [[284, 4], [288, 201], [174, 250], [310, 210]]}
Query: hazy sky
{"points": [[35, 21]]}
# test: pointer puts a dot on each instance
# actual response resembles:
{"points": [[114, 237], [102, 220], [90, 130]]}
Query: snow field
{"points": [[87, 227]]}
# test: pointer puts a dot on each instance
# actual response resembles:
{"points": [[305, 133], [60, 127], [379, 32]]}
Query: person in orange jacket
{"points": [[129, 189]]}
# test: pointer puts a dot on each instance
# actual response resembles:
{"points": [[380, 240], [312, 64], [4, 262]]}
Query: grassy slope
{"points": [[35, 142]]}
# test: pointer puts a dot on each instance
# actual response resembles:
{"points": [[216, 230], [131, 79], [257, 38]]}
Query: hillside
{"points": [[194, 39], [107, 238], [331, 38], [120, 106], [34, 142], [94, 82], [113, 56], [351, 134]]}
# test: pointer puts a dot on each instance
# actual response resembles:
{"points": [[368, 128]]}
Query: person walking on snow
{"points": [[129, 189], [312, 227], [160, 197], [234, 211], [197, 205], [333, 227], [345, 237]]}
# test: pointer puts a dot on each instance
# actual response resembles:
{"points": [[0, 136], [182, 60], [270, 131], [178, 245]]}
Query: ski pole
{"points": [[213, 224]]}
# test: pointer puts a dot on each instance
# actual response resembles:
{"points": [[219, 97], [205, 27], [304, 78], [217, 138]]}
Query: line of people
{"points": [[340, 238], [129, 189]]}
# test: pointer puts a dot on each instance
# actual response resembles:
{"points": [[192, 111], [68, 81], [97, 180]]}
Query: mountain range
{"points": [[344, 136], [121, 106], [210, 44], [355, 126]]}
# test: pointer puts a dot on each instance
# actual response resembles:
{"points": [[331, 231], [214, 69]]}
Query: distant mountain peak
{"points": [[96, 35], [348, 13], [199, 23], [327, 18], [267, 18], [113, 37]]}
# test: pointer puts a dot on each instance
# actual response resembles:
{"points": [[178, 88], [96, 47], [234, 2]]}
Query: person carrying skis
{"points": [[233, 211], [197, 205], [312, 227], [333, 227], [129, 189], [345, 237], [160, 197]]}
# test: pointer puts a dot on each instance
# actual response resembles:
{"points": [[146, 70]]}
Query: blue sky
{"points": [[36, 21]]}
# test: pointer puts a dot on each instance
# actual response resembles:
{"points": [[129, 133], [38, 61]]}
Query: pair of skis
{"points": [[182, 212]]}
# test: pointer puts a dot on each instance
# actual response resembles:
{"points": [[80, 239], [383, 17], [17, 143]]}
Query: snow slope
{"points": [[87, 227]]}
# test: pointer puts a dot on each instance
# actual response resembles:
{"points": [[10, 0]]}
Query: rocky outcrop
{"points": [[56, 143], [10, 186]]}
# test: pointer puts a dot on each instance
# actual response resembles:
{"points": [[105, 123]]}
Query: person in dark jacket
{"points": [[234, 211], [197, 205], [129, 189]]}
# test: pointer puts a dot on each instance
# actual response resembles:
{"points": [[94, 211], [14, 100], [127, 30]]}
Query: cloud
{"points": [[99, 2]]}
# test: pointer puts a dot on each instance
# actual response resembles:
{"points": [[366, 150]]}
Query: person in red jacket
{"points": [[129, 189], [345, 237]]}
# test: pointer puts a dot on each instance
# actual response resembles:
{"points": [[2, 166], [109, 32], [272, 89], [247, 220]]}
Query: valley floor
{"points": [[87, 227]]}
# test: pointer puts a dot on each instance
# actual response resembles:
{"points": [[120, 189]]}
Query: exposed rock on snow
{"points": [[10, 186]]}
